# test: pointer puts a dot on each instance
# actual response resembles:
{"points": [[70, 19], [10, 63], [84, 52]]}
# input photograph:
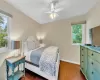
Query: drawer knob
{"points": [[82, 55], [92, 54], [92, 63], [92, 72], [82, 61]]}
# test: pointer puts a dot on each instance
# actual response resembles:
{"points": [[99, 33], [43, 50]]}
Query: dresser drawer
{"points": [[90, 61], [82, 61], [82, 57], [96, 56], [82, 50], [82, 65], [90, 53], [96, 66], [90, 69], [96, 75], [83, 68], [90, 74], [93, 71]]}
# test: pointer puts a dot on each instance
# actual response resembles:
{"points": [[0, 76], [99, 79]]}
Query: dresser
{"points": [[13, 63], [90, 62]]}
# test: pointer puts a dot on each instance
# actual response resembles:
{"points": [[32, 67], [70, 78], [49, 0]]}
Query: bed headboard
{"points": [[31, 43]]}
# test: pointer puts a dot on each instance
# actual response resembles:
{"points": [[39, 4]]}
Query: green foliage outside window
{"points": [[77, 33], [3, 32]]}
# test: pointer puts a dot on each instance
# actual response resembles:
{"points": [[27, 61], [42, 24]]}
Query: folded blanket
{"points": [[35, 56], [47, 61]]}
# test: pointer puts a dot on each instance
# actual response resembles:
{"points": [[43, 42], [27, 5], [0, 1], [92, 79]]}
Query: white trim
{"points": [[4, 50], [5, 13], [83, 35], [9, 29], [70, 61], [76, 44]]}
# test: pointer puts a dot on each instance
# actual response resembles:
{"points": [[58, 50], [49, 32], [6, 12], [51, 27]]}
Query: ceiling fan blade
{"points": [[57, 15], [58, 10], [52, 6]]}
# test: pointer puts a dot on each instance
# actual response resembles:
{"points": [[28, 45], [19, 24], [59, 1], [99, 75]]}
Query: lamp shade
{"points": [[15, 44]]}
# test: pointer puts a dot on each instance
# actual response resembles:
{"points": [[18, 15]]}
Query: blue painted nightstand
{"points": [[12, 63]]}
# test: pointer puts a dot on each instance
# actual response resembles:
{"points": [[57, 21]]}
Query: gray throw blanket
{"points": [[48, 59]]}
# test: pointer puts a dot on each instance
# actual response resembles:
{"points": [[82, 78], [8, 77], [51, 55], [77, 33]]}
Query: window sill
{"points": [[77, 44], [4, 50]]}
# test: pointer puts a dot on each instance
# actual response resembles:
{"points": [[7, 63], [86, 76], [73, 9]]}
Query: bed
{"points": [[42, 60]]}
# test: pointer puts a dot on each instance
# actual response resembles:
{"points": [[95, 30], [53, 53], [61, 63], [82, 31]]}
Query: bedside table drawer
{"points": [[19, 62]]}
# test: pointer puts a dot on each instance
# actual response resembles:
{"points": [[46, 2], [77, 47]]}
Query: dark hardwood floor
{"points": [[67, 71], [31, 76]]}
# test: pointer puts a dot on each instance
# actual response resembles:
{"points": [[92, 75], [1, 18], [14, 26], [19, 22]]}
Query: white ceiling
{"points": [[36, 8]]}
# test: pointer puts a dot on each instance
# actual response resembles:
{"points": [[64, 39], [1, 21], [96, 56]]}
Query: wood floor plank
{"points": [[67, 71], [70, 71]]}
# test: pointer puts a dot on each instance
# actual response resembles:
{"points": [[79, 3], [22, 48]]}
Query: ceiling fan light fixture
{"points": [[53, 15]]}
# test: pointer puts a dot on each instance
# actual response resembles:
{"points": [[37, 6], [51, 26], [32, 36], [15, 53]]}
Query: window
{"points": [[3, 31], [78, 33]]}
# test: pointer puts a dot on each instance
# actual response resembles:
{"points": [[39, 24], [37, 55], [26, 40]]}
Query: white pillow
{"points": [[37, 44]]}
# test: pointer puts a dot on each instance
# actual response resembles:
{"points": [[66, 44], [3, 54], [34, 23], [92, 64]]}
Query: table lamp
{"points": [[15, 45]]}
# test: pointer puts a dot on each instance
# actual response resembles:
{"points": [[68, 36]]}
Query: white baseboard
{"points": [[70, 61]]}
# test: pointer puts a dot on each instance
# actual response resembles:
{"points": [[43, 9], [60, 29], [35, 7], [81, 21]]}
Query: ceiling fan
{"points": [[53, 11]]}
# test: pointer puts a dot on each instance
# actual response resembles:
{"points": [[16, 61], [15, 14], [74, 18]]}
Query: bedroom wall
{"points": [[21, 27], [93, 19], [59, 33]]}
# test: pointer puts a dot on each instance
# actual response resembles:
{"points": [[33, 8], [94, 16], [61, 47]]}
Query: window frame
{"points": [[83, 34], [6, 49]]}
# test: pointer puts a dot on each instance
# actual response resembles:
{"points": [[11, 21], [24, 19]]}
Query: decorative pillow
{"points": [[37, 44], [31, 44]]}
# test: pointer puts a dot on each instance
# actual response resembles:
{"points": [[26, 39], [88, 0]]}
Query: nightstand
{"points": [[12, 63]]}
